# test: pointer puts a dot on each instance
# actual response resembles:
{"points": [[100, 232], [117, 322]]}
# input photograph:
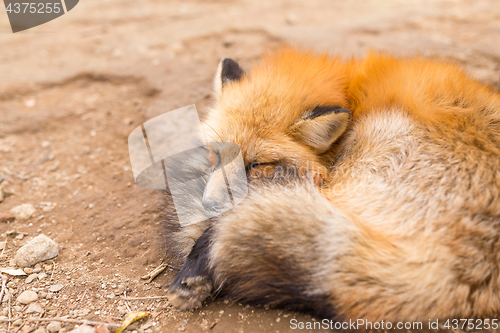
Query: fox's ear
{"points": [[320, 127], [228, 70]]}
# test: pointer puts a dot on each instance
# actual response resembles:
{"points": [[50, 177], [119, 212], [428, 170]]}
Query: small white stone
{"points": [[55, 288], [83, 329], [27, 297], [54, 326], [38, 249], [34, 308], [30, 278], [23, 212]]}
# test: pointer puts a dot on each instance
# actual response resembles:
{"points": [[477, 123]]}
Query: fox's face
{"points": [[288, 112]]}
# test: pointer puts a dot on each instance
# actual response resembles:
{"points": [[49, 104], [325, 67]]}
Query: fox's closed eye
{"points": [[257, 164], [254, 164]]}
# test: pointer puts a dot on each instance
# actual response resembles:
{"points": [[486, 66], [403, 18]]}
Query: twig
{"points": [[53, 270], [10, 317], [174, 268], [4, 176], [38, 323], [126, 304], [154, 273], [76, 321], [4, 246], [30, 329], [145, 253], [21, 327], [144, 298], [4, 281], [84, 293], [159, 313], [13, 174], [32, 167]]}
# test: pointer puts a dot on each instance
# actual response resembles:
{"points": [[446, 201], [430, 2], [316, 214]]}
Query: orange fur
{"points": [[409, 225]]}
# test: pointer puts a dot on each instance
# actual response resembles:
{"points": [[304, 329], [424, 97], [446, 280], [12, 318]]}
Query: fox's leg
{"points": [[193, 284]]}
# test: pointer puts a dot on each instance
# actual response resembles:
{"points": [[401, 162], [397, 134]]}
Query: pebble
{"points": [[23, 212], [38, 249], [55, 288], [27, 297], [30, 278], [42, 276], [40, 329], [17, 322], [50, 295], [122, 310], [34, 308], [37, 270], [83, 329], [54, 326], [28, 270]]}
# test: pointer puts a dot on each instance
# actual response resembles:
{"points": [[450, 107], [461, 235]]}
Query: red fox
{"points": [[405, 222]]}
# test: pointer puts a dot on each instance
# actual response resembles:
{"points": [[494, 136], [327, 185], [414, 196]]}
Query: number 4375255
{"points": [[472, 324], [34, 8]]}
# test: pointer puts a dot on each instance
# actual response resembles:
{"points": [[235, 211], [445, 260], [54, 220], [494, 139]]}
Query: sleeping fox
{"points": [[404, 223]]}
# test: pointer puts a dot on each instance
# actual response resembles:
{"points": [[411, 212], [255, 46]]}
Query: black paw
{"points": [[189, 292], [193, 284]]}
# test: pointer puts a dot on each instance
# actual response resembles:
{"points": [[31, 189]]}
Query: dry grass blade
{"points": [[154, 273], [76, 321]]}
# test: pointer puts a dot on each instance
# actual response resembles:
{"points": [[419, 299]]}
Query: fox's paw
{"points": [[189, 292]]}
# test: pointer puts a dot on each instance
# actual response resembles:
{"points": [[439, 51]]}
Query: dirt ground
{"points": [[72, 90]]}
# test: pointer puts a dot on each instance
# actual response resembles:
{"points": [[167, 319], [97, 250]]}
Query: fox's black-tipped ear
{"points": [[321, 126], [228, 70]]}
